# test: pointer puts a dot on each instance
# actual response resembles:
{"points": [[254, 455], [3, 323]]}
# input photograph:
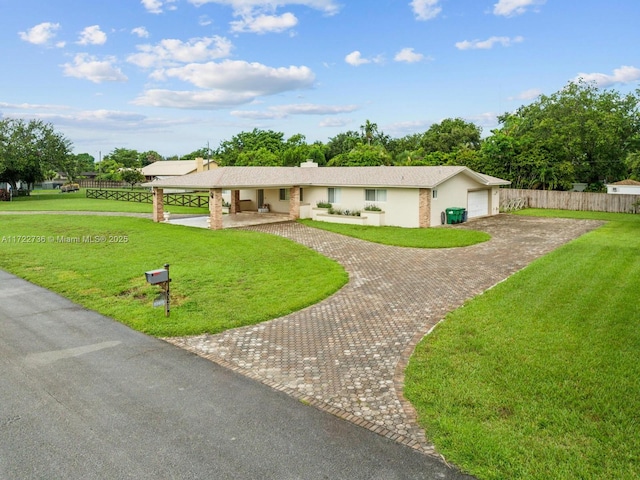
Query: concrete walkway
{"points": [[347, 354]]}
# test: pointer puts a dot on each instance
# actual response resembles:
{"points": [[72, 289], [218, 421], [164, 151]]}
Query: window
{"points": [[333, 195], [434, 194], [375, 195], [284, 194]]}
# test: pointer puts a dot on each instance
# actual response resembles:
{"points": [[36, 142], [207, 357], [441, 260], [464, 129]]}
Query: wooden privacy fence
{"points": [[551, 199], [89, 183], [180, 199]]}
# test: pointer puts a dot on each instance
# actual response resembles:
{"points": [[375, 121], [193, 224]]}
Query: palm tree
{"points": [[369, 130]]}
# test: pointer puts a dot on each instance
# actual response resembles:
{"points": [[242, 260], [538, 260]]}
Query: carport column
{"points": [[235, 202], [215, 208], [294, 203], [424, 209], [158, 204]]}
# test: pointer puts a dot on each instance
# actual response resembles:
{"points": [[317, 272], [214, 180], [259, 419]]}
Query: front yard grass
{"points": [[539, 377], [221, 280], [405, 237]]}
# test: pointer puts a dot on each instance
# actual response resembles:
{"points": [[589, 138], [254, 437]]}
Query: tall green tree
{"points": [[229, 151], [125, 157], [450, 135], [578, 134], [30, 149]]}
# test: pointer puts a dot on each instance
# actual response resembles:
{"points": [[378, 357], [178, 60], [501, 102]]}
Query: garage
{"points": [[477, 203]]}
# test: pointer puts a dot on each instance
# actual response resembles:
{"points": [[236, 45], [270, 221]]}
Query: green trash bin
{"points": [[455, 215]]}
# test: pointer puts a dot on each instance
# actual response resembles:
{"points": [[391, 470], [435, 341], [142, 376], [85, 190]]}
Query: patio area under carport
{"points": [[237, 220]]}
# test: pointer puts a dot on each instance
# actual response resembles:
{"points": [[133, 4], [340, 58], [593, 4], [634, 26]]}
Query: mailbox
{"points": [[157, 276]]}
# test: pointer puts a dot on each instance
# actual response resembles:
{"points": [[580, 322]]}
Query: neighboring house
{"points": [[170, 168], [408, 196], [624, 187]]}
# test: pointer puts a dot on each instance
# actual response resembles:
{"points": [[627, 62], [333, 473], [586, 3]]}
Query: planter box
{"points": [[374, 218], [348, 219], [263, 210], [226, 210], [315, 212]]}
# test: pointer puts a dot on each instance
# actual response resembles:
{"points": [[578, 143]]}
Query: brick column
{"points": [[294, 203], [424, 210], [215, 208], [158, 204], [235, 202]]}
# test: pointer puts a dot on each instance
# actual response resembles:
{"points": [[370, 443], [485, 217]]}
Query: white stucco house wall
{"points": [[408, 196], [624, 187]]}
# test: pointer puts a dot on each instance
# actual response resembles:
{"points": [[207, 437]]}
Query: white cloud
{"points": [[171, 52], [141, 32], [241, 76], [409, 56], [265, 23], [334, 122], [284, 111], [510, 8], [41, 34], [488, 43], [624, 74], [92, 36], [156, 6], [330, 7], [194, 100], [227, 83], [355, 59], [425, 9], [89, 68], [527, 94]]}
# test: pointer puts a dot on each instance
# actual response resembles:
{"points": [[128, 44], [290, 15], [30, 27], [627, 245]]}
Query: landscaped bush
{"points": [[323, 204], [372, 208], [5, 196]]}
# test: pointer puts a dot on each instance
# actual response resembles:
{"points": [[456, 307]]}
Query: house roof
{"points": [[627, 182], [167, 168], [265, 177]]}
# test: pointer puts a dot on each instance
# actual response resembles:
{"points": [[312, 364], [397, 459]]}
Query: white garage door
{"points": [[478, 203]]}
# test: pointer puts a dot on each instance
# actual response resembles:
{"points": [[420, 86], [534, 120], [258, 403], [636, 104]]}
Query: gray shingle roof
{"points": [[266, 177]]}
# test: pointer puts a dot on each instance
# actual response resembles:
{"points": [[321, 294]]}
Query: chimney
{"points": [[199, 164], [309, 164]]}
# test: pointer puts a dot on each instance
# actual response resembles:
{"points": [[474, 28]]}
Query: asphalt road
{"points": [[84, 397]]}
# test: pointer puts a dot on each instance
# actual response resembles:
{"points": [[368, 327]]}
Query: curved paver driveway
{"points": [[347, 354]]}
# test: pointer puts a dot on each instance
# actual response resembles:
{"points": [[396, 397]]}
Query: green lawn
{"points": [[405, 237], [539, 377], [54, 200], [221, 280]]}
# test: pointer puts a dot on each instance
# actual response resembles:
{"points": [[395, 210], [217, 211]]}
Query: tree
{"points": [[125, 157], [342, 143], [362, 155], [132, 176], [30, 149], [450, 135], [229, 151], [578, 134], [369, 131], [261, 157], [147, 158]]}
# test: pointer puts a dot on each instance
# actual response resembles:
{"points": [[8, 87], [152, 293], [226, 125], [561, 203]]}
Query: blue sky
{"points": [[172, 75]]}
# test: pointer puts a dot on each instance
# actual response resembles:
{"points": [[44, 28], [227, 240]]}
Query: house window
{"points": [[284, 194], [614, 189], [434, 194], [333, 195], [375, 195]]}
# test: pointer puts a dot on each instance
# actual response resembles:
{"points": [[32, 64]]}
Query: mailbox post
{"points": [[161, 277]]}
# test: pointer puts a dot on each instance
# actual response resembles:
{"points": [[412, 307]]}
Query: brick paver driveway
{"points": [[347, 354]]}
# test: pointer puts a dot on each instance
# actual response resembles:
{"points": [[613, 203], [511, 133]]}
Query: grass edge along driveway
{"points": [[221, 280], [539, 377]]}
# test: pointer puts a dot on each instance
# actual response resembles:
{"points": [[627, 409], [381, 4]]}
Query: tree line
{"points": [[580, 134]]}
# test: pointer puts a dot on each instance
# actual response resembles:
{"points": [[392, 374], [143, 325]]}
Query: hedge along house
{"points": [[406, 196]]}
